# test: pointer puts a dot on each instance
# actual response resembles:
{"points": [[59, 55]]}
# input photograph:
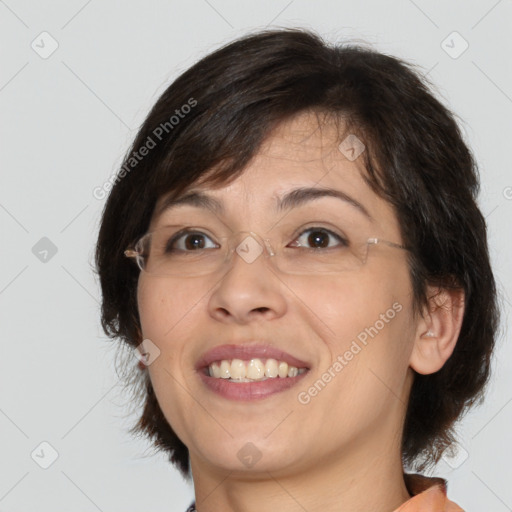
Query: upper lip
{"points": [[248, 352]]}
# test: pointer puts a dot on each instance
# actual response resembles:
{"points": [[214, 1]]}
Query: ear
{"points": [[438, 329]]}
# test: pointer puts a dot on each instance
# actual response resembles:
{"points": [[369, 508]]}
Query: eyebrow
{"points": [[300, 196], [291, 199]]}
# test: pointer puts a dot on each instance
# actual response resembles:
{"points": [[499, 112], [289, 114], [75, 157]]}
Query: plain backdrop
{"points": [[76, 80]]}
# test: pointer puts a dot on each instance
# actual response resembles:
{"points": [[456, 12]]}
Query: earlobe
{"points": [[437, 329]]}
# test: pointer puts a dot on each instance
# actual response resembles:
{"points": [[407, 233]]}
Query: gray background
{"points": [[67, 119]]}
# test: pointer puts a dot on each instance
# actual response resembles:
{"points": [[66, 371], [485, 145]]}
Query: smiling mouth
{"points": [[253, 370], [247, 371]]}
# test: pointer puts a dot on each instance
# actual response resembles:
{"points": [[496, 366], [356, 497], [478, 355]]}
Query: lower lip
{"points": [[247, 391]]}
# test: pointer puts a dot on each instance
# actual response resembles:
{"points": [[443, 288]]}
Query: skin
{"points": [[340, 451]]}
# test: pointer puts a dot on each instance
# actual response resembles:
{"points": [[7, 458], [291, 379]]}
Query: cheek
{"points": [[365, 381], [358, 306], [371, 326], [164, 308], [378, 339], [166, 319], [152, 303]]}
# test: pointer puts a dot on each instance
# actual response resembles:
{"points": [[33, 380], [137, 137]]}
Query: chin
{"points": [[246, 456]]}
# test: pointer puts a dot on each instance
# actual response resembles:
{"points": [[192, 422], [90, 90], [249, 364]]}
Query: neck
{"points": [[340, 483]]}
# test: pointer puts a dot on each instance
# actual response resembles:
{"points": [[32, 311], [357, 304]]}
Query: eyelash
{"points": [[182, 234]]}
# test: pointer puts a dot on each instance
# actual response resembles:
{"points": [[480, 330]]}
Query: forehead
{"points": [[306, 136], [306, 151], [310, 147]]}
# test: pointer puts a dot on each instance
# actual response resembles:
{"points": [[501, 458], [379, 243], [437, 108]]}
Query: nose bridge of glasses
{"points": [[249, 246]]}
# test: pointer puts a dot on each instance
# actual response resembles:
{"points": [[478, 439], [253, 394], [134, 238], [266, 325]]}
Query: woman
{"points": [[293, 248]]}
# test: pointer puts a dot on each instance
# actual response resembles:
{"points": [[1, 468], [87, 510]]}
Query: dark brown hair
{"points": [[415, 158]]}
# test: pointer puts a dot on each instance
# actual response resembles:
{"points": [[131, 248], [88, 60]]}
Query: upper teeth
{"points": [[254, 369]]}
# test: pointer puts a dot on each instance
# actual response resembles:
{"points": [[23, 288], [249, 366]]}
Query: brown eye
{"points": [[189, 241], [319, 238]]}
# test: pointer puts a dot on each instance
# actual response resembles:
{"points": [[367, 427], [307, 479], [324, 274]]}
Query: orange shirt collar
{"points": [[428, 495]]}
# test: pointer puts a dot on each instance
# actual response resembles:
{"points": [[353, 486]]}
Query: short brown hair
{"points": [[415, 158]]}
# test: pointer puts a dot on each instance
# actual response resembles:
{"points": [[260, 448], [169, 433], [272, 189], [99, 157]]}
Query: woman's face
{"points": [[352, 330]]}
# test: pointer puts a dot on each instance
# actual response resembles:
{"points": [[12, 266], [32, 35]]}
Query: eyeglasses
{"points": [[193, 252]]}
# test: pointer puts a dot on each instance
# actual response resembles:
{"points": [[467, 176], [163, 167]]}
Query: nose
{"points": [[250, 288]]}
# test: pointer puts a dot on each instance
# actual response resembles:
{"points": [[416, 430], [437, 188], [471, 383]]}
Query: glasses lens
{"points": [[304, 261], [193, 252], [174, 252]]}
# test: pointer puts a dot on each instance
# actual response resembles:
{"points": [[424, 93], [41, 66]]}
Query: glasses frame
{"points": [[134, 253]]}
